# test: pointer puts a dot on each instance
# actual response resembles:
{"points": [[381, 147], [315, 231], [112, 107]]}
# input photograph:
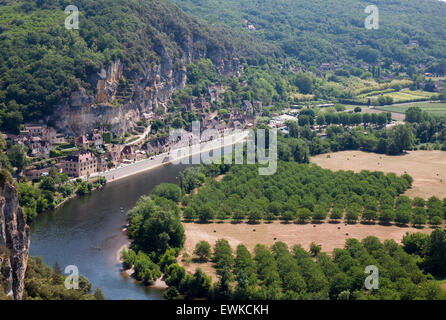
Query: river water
{"points": [[87, 232]]}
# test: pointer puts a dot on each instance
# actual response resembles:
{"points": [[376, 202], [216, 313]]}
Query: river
{"points": [[87, 232]]}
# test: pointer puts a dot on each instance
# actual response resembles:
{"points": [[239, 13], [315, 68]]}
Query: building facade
{"points": [[80, 164]]}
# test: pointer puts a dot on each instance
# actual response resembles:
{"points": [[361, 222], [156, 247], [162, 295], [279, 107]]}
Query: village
{"points": [[100, 150]]}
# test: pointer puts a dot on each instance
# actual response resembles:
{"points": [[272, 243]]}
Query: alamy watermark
{"points": [[213, 146], [372, 21], [72, 21], [372, 281], [72, 280]]}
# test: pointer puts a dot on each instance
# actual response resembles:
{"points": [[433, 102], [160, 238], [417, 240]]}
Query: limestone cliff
{"points": [[120, 107], [14, 241]]}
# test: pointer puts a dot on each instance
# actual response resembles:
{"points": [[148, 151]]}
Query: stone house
{"points": [[95, 140], [81, 164], [82, 142], [127, 153], [40, 147]]}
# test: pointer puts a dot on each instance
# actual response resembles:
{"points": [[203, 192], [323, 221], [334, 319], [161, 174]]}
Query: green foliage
{"points": [[431, 248], [168, 191], [45, 283], [191, 178], [42, 62], [17, 157], [128, 257], [299, 28], [435, 252], [223, 257], [297, 191], [82, 189], [203, 251], [155, 226], [145, 269]]}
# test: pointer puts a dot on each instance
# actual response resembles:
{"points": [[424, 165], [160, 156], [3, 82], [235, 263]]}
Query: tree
{"points": [[415, 243], [189, 214], [303, 215], [48, 183], [386, 216], [198, 286], [99, 294], [203, 251], [403, 215], [321, 119], [304, 83], [369, 214], [255, 214], [155, 226], [419, 219], [337, 213], [435, 221], [223, 289], [172, 293], [338, 284], [418, 202], [191, 178], [403, 139], [145, 269], [435, 253], [205, 213], [238, 215], [17, 157], [223, 254], [82, 189], [57, 274], [168, 191], [315, 249], [128, 258]]}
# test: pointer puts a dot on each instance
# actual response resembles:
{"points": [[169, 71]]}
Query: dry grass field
{"points": [[329, 235], [428, 168]]}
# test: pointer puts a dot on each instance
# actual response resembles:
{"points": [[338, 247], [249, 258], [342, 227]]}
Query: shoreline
{"points": [[158, 284], [144, 169], [163, 155]]}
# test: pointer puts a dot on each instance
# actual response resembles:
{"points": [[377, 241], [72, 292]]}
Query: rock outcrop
{"points": [[121, 108], [14, 240]]}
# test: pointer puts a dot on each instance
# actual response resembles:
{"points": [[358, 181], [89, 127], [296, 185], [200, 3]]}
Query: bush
{"points": [[145, 270], [128, 257]]}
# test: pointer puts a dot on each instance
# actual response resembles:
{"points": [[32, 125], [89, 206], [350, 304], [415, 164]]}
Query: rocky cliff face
{"points": [[120, 108], [14, 240]]}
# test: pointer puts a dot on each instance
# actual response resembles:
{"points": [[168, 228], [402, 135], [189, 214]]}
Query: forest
{"points": [[312, 32], [41, 61], [406, 272]]}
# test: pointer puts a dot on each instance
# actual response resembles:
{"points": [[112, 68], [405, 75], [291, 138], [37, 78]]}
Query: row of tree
{"points": [[298, 192], [280, 273]]}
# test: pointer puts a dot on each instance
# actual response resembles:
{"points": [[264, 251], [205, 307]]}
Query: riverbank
{"points": [[158, 284], [88, 232], [145, 165]]}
